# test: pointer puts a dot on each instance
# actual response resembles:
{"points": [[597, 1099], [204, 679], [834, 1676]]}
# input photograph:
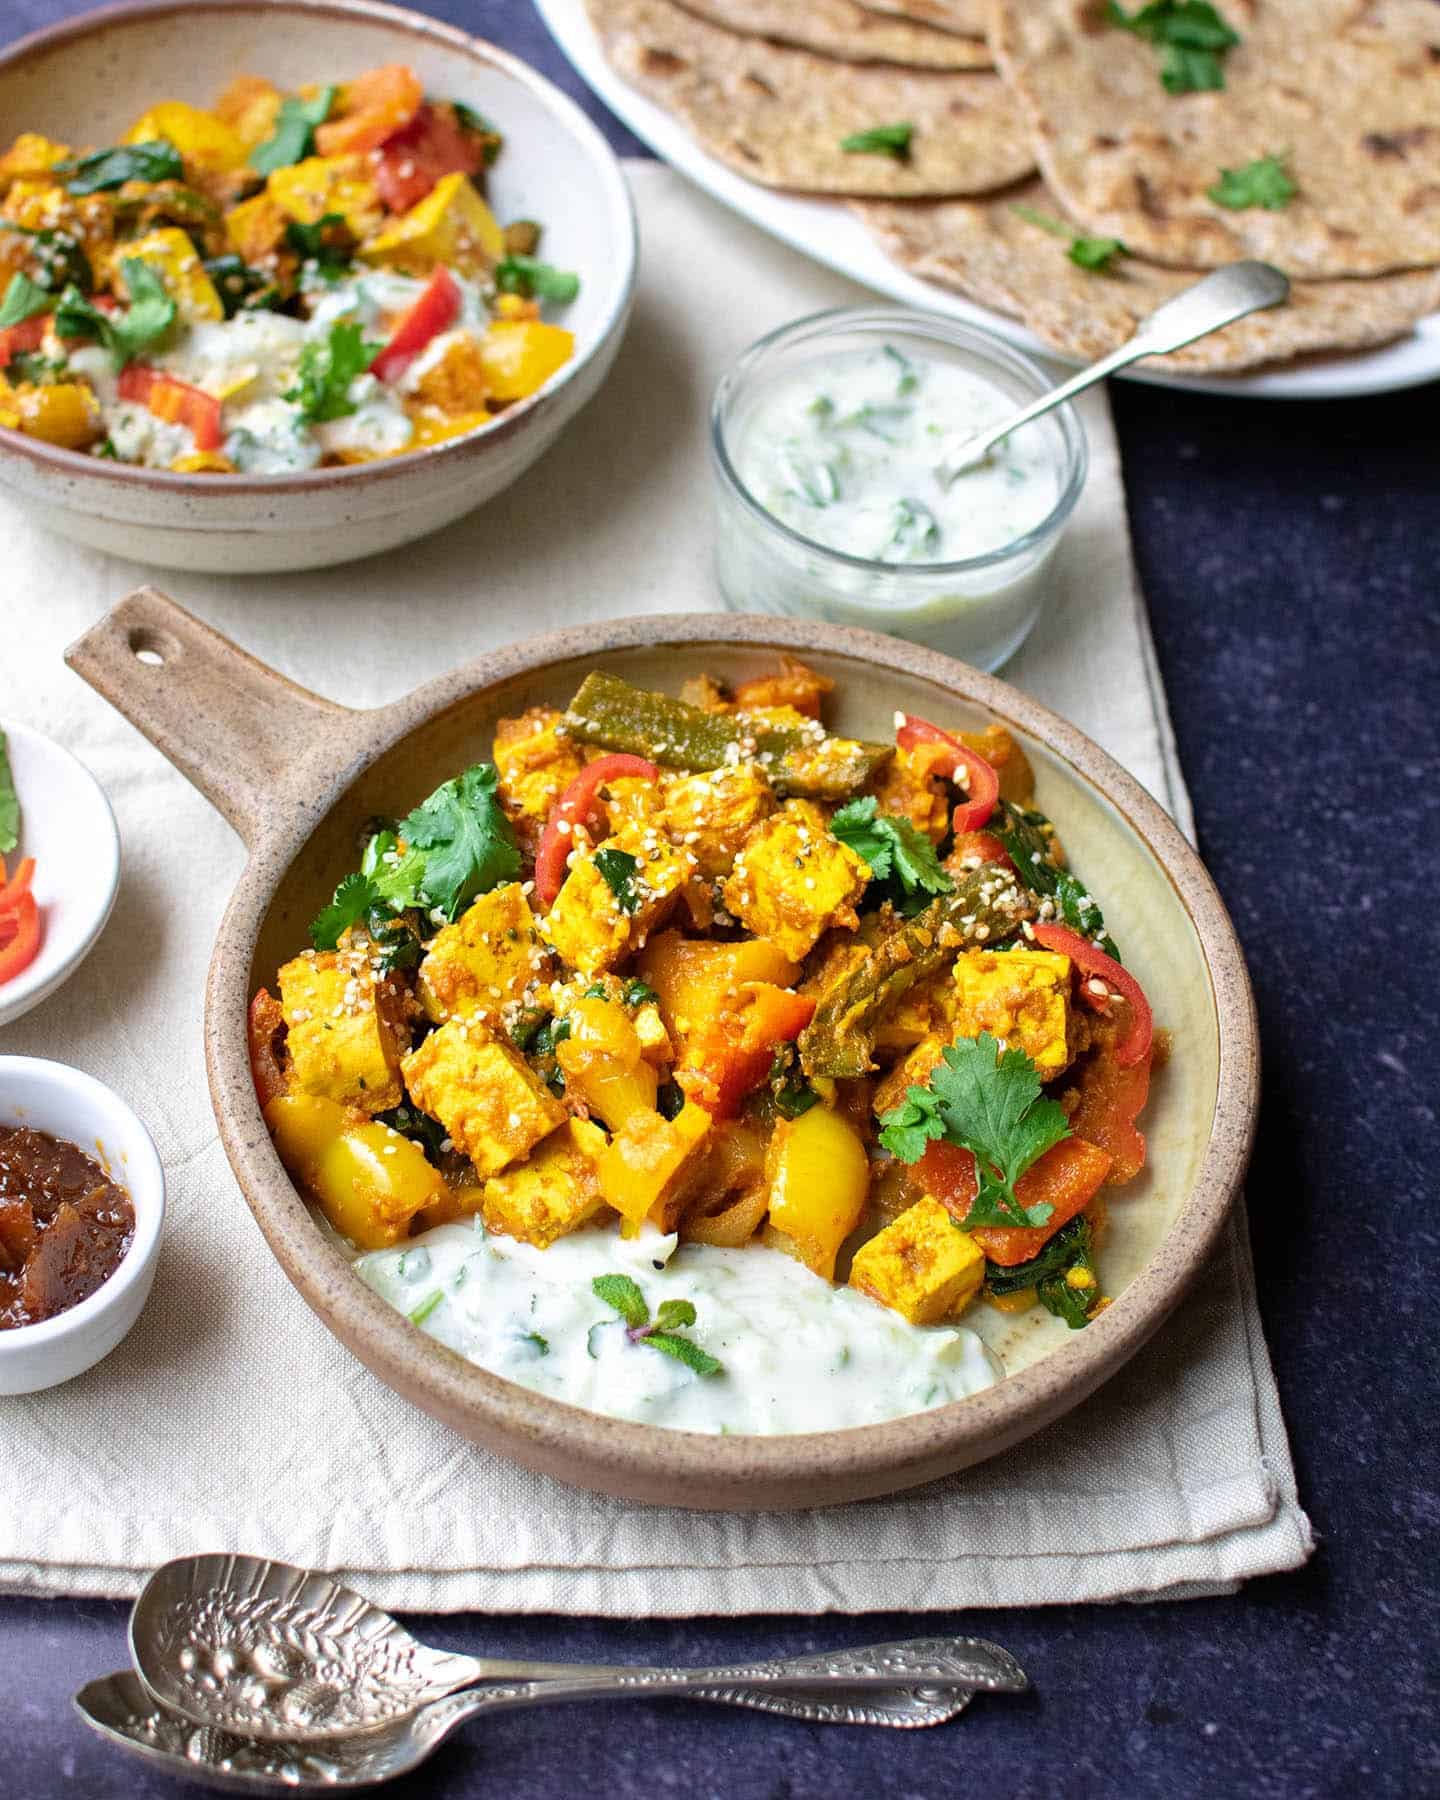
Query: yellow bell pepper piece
{"points": [[203, 462], [452, 224], [435, 427], [604, 1062], [819, 1177], [250, 106], [31, 155], [520, 355], [652, 1166], [63, 413], [368, 1180], [307, 191], [208, 141], [175, 260], [255, 227]]}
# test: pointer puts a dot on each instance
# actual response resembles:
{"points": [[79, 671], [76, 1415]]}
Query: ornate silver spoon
{"points": [[121, 1711], [268, 1651]]}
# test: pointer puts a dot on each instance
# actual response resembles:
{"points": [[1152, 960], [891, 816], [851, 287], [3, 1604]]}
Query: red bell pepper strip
{"points": [[982, 784], [1111, 1099], [579, 805], [432, 145], [18, 885], [737, 1058], [1095, 965], [980, 846], [1067, 1177], [177, 402], [436, 310], [267, 1066], [19, 937], [29, 334]]}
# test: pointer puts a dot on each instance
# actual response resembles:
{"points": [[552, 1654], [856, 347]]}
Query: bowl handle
{"points": [[232, 726]]}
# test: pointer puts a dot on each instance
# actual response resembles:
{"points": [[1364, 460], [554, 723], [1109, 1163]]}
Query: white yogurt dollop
{"points": [[797, 1353], [844, 450]]}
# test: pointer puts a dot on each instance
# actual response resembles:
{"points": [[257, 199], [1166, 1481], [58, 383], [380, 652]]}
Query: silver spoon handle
{"points": [[969, 450]]}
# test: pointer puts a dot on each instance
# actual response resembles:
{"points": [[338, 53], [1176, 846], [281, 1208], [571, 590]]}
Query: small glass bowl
{"points": [[980, 609]]}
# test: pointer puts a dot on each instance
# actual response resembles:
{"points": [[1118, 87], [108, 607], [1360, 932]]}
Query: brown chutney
{"points": [[64, 1226]]}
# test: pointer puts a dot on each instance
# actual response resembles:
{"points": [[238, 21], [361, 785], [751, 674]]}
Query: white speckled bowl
{"points": [[86, 80]]}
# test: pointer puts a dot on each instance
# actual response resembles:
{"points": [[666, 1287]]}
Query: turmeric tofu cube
{"points": [[346, 1029], [922, 1266], [485, 960], [169, 252], [255, 228], [714, 813], [793, 881], [492, 1103], [306, 191], [653, 1167], [1022, 996], [614, 896], [452, 224], [455, 384], [30, 155], [535, 767], [555, 1192], [201, 137]]}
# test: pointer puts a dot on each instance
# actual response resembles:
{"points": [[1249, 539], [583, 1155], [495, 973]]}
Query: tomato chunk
{"points": [[580, 805], [433, 144], [29, 334]]}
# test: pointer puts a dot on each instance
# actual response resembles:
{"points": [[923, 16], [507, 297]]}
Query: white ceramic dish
{"points": [[48, 1096], [826, 230], [85, 80], [66, 824]]}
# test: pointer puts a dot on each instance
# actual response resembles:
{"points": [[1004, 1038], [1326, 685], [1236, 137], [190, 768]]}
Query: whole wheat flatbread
{"points": [[844, 29], [988, 252], [779, 115], [966, 17], [1348, 91]]}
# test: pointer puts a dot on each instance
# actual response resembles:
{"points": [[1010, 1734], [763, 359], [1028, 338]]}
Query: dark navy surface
{"points": [[1291, 557]]}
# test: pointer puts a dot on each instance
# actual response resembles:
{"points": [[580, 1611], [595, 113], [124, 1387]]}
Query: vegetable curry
{"points": [[702, 965]]}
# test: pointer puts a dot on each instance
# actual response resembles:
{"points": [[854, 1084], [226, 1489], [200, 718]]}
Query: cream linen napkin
{"points": [[232, 1419]]}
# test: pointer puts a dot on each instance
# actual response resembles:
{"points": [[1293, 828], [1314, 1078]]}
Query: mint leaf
{"points": [[468, 842], [9, 803], [353, 900], [623, 1295], [618, 868], [24, 298], [686, 1351], [880, 140], [294, 135], [533, 279], [1264, 182], [153, 160], [673, 1314], [325, 371]]}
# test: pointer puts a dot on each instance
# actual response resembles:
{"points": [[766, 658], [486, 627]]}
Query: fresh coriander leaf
{"points": [[419, 1127], [909, 378], [1093, 254], [398, 946], [9, 803], [328, 243], [638, 993], [892, 847], [125, 334], [397, 875], [531, 278], [24, 298], [673, 1314], [685, 1351], [990, 1103], [1191, 37], [325, 371], [623, 1296], [619, 867], [352, 903], [915, 532], [427, 1306], [1265, 182], [907, 1128], [151, 161], [468, 842], [880, 140], [40, 371], [294, 136]]}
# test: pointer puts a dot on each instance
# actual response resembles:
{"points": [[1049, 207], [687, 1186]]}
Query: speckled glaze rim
{"points": [[453, 453], [276, 798]]}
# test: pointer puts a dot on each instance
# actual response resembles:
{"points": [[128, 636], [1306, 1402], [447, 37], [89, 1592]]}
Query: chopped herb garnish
{"points": [[817, 484], [31, 366], [325, 371], [294, 136], [328, 243], [352, 902], [419, 1127], [140, 326], [1094, 254], [1028, 838], [427, 1306], [638, 993], [1191, 37], [151, 161], [989, 1102], [241, 287], [879, 421], [57, 257], [821, 407], [23, 299], [1265, 182], [533, 279], [914, 530], [909, 377], [622, 1295], [9, 803], [895, 850], [619, 868], [542, 1344], [880, 140], [468, 842]]}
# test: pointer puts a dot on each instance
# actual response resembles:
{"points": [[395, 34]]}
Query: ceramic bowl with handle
{"points": [[86, 80], [298, 776]]}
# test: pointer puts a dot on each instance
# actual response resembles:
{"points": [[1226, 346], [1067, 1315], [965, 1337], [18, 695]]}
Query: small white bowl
{"points": [[49, 1096], [66, 824]]}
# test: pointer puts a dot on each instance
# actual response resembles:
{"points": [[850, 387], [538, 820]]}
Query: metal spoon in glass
{"points": [[1222, 297], [267, 1651]]}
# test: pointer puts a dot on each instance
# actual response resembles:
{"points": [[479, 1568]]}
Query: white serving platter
{"points": [[826, 230]]}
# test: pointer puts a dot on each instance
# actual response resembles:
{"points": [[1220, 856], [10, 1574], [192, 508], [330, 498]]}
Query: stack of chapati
{"points": [[1035, 126]]}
